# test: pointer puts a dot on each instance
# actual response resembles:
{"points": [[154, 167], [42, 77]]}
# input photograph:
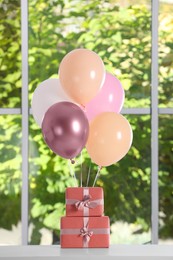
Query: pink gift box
{"points": [[85, 232], [84, 201]]}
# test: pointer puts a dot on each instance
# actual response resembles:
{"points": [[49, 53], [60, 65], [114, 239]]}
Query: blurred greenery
{"points": [[10, 170], [121, 35], [10, 54]]}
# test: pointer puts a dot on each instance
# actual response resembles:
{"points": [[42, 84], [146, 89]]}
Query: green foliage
{"points": [[122, 38], [10, 210], [10, 54], [10, 170], [165, 176], [166, 60]]}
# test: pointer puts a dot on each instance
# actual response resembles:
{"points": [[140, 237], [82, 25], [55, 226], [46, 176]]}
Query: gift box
{"points": [[84, 201], [85, 232]]}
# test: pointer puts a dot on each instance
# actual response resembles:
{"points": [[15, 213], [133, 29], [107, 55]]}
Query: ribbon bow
{"points": [[86, 234], [85, 203]]}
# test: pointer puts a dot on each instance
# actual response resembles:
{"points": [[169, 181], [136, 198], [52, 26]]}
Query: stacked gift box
{"points": [[84, 225]]}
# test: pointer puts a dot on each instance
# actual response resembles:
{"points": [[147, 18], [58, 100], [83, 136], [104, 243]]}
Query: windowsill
{"points": [[117, 251]]}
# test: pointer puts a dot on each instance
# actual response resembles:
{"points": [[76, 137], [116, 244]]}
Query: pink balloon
{"points": [[65, 129], [109, 99]]}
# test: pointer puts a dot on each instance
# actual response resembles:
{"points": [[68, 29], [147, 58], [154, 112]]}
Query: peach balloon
{"points": [[110, 138], [81, 74]]}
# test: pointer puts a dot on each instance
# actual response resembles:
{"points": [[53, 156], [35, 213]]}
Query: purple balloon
{"points": [[65, 129]]}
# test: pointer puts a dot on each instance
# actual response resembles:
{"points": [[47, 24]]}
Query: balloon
{"points": [[81, 74], [109, 99], [65, 129], [110, 138], [45, 95]]}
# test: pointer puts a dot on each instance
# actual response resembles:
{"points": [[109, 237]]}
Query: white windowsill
{"points": [[121, 252]]}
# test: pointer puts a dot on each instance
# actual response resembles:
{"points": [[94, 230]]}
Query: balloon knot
{"points": [[72, 161]]}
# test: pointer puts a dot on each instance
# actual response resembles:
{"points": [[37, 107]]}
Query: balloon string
{"points": [[81, 169], [88, 177], [97, 175], [72, 172]]}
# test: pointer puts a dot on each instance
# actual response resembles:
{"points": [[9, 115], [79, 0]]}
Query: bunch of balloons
{"points": [[82, 108]]}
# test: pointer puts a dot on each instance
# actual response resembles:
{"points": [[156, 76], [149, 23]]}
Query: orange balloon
{"points": [[81, 74], [110, 138]]}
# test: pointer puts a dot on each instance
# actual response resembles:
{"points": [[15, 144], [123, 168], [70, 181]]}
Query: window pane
{"points": [[119, 31], [128, 203], [10, 179], [166, 179], [49, 175], [127, 188], [166, 54], [10, 54]]}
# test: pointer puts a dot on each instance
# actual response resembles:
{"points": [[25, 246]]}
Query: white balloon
{"points": [[45, 95]]}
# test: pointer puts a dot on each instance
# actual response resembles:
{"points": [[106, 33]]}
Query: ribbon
{"points": [[86, 203], [86, 234], [77, 231]]}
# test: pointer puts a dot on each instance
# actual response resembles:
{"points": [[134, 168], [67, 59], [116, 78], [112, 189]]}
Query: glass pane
{"points": [[49, 175], [10, 180], [10, 54], [128, 203], [119, 31], [166, 54], [165, 179]]}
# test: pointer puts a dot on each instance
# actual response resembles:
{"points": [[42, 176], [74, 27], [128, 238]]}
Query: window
{"points": [[125, 35]]}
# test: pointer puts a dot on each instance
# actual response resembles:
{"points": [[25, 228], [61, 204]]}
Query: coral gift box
{"points": [[85, 232], [84, 201]]}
